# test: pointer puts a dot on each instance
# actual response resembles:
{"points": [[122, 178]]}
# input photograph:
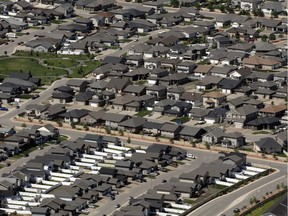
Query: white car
{"points": [[191, 156]]}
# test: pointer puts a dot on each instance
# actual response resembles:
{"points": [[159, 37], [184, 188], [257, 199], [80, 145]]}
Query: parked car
{"points": [[35, 96], [191, 156], [164, 181], [8, 164], [236, 210], [118, 206], [3, 108]]}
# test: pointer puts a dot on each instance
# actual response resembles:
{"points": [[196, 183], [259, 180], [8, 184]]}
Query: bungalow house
{"points": [[192, 133], [273, 110], [170, 130], [186, 67], [228, 86], [132, 125], [213, 136], [267, 145], [213, 99], [112, 120], [142, 26], [74, 116], [61, 97], [264, 63], [135, 90], [83, 98], [152, 128], [93, 118]]}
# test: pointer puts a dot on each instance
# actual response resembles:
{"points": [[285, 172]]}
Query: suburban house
{"points": [[267, 145]]}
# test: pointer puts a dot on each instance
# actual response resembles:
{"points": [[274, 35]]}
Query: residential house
{"points": [[193, 98], [170, 130], [213, 136], [74, 116], [233, 140], [213, 99], [112, 120], [267, 145], [241, 115]]}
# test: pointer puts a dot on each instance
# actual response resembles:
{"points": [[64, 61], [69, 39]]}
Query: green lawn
{"points": [[63, 138], [16, 64], [82, 71], [189, 201], [66, 63], [261, 132], [143, 113], [263, 209], [50, 55], [183, 119]]}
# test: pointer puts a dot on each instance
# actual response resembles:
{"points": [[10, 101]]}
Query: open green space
{"points": [[85, 69], [263, 209], [66, 63], [27, 65], [50, 55]]}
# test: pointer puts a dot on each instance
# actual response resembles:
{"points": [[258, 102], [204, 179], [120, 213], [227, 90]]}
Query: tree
{"points": [[23, 125], [192, 143], [129, 140], [282, 185], [5, 53], [210, 7], [222, 8], [272, 36], [121, 133], [107, 130], [174, 3], [73, 125], [274, 14], [260, 13], [207, 145], [278, 186], [264, 38], [60, 124], [281, 35]]}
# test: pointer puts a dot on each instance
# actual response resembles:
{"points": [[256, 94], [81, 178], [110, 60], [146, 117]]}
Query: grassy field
{"points": [[81, 71], [66, 63], [50, 55], [26, 65], [263, 209]]}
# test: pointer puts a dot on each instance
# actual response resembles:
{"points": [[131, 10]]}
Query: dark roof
{"points": [[84, 96], [170, 127], [229, 84], [76, 113], [152, 125], [267, 143], [114, 117], [133, 122]]}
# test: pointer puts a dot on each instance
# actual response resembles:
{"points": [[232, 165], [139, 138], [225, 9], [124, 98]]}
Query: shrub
{"points": [[23, 125], [129, 140]]}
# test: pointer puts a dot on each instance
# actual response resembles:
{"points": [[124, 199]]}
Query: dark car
{"points": [[26, 155], [8, 164], [236, 210], [35, 96], [164, 181], [118, 206]]}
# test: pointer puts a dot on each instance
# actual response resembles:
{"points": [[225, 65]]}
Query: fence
{"points": [[146, 138]]}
